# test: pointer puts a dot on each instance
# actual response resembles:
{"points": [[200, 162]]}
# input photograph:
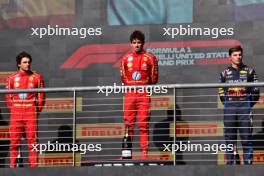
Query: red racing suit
{"points": [[24, 108], [138, 69]]}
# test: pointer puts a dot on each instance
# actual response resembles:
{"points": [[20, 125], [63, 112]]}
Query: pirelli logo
{"points": [[4, 133], [3, 77], [197, 129], [59, 159], [161, 102], [154, 155], [87, 131], [258, 157], [62, 105], [258, 105]]}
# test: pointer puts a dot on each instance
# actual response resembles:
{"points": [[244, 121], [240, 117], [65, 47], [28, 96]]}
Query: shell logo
{"points": [[129, 65], [16, 84]]}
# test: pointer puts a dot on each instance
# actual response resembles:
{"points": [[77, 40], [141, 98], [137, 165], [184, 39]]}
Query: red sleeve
{"points": [[41, 95], [123, 71], [9, 97], [154, 70]]}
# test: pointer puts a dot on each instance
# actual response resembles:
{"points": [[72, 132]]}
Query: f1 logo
{"points": [[112, 53]]}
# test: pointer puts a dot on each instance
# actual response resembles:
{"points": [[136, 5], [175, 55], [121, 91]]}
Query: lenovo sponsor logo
{"points": [[161, 102], [58, 159], [197, 129], [62, 105], [85, 131], [168, 53], [4, 133]]}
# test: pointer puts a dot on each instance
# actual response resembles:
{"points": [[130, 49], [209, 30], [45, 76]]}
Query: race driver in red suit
{"points": [[24, 107], [138, 68]]}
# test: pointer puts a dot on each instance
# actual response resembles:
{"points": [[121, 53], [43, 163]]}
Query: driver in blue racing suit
{"points": [[238, 102]]}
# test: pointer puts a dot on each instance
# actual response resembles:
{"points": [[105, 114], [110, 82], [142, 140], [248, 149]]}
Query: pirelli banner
{"points": [[259, 104], [3, 77], [197, 129], [154, 155], [100, 131], [258, 157], [61, 105], [162, 102], [4, 133], [58, 159]]}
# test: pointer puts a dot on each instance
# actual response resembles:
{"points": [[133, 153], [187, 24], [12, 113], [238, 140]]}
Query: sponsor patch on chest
{"points": [[144, 66]]}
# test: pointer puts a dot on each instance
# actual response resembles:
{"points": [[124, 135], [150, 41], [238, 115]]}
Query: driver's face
{"points": [[137, 45]]}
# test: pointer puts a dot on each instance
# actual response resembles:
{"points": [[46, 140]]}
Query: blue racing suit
{"points": [[238, 102]]}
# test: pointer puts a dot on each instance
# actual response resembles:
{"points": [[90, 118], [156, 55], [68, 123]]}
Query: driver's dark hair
{"points": [[137, 35], [235, 49], [22, 55]]}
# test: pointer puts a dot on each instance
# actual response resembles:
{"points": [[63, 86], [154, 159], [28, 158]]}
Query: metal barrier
{"points": [[188, 116]]}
